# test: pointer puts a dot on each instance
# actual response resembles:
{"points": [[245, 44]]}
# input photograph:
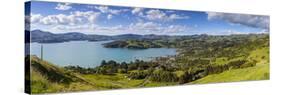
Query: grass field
{"points": [[258, 72], [43, 83]]}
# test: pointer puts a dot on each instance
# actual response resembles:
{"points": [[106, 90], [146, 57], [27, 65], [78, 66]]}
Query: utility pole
{"points": [[41, 52]]}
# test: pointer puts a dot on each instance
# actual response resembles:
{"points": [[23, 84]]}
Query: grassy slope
{"points": [[64, 81], [40, 84], [121, 81], [44, 81], [46, 78], [111, 81], [258, 72]]}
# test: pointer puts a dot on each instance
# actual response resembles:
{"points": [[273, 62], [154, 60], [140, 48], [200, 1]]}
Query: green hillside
{"points": [[258, 72], [46, 77]]}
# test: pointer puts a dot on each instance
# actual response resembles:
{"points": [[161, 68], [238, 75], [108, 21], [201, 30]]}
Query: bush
{"points": [[122, 71], [248, 64], [191, 76], [138, 75], [163, 76], [236, 64], [185, 78], [109, 67]]}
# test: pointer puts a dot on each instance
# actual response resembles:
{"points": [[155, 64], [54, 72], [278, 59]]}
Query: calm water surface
{"points": [[90, 54]]}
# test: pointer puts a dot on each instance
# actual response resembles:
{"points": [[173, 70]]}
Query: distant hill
{"points": [[48, 37], [133, 44]]}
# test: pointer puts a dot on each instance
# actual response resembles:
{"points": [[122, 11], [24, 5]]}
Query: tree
{"points": [[163, 76], [103, 62], [138, 75], [123, 68]]}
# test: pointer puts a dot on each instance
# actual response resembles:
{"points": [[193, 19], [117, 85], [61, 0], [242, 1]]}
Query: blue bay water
{"points": [[90, 54]]}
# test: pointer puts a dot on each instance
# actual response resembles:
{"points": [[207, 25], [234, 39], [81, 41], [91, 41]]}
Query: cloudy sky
{"points": [[115, 20]]}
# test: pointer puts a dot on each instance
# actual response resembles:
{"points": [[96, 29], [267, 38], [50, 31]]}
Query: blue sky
{"points": [[114, 20]]}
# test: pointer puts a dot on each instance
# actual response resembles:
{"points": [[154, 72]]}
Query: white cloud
{"points": [[73, 28], [55, 19], [144, 25], [234, 32], [161, 15], [74, 18], [85, 21], [151, 27], [63, 6], [93, 17], [109, 16], [137, 11], [84, 13], [89, 28], [135, 28], [243, 19], [230, 32], [105, 9], [177, 28], [34, 18], [175, 16], [118, 27], [156, 15]]}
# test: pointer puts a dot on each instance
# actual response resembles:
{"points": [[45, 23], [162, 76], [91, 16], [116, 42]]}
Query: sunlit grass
{"points": [[112, 81], [258, 72]]}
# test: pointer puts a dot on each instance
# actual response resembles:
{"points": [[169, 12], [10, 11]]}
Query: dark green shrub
{"points": [[163, 76]]}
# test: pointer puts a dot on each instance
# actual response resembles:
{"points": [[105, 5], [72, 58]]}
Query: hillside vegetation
{"points": [[46, 77], [199, 59], [258, 72]]}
